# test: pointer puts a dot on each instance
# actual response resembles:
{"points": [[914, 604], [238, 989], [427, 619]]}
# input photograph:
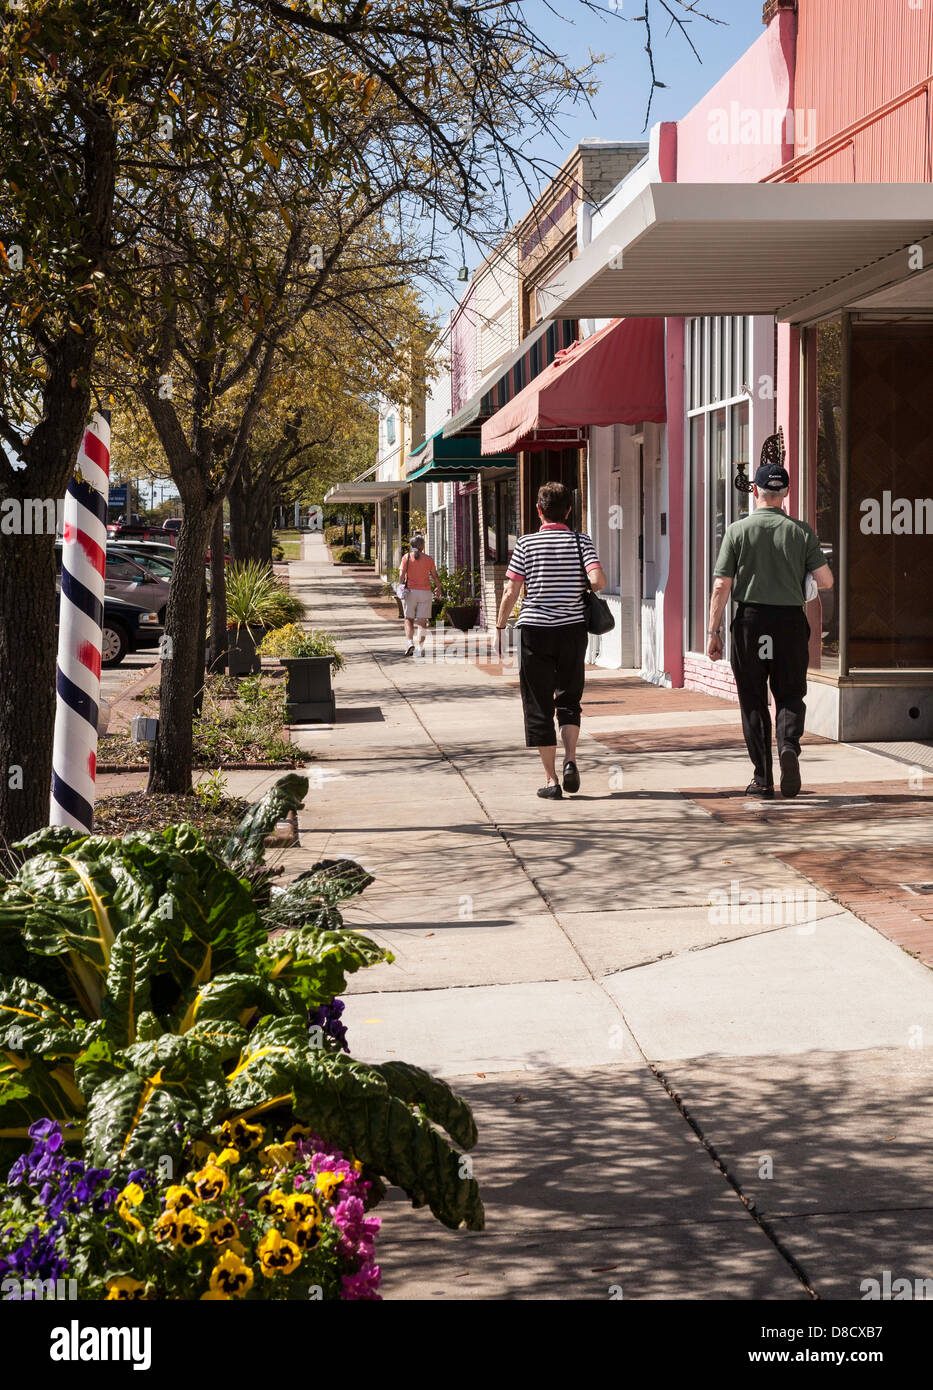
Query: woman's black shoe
{"points": [[758, 789], [552, 793], [571, 777]]}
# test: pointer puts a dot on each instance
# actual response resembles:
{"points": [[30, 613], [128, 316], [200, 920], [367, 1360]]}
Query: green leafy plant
{"points": [[211, 789], [348, 555], [283, 607], [388, 588], [251, 598], [459, 587], [294, 641], [143, 1004]]}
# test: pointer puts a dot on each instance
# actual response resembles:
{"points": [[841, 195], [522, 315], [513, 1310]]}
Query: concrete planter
{"points": [[308, 693], [241, 650], [463, 615]]}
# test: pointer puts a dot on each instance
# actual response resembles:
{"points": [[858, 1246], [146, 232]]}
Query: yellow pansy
{"points": [[279, 1155], [277, 1255], [304, 1234], [238, 1134], [222, 1231], [301, 1206], [125, 1289], [166, 1228], [192, 1229], [127, 1199], [274, 1204], [230, 1276], [297, 1132], [225, 1156], [209, 1182], [325, 1183], [178, 1197], [132, 1193]]}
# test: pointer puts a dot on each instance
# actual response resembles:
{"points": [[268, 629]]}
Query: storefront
{"points": [[842, 266]]}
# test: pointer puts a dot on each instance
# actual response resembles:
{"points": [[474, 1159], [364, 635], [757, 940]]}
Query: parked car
{"points": [[133, 530], [124, 578], [173, 524], [149, 557], [127, 627]]}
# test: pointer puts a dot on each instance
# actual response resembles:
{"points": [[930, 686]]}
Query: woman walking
{"points": [[418, 577], [553, 564]]}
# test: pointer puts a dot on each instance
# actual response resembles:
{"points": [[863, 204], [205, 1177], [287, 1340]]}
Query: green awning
{"points": [[440, 460]]}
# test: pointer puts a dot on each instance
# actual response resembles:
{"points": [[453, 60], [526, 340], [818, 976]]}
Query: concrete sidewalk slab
{"points": [[431, 954], [821, 1132], [492, 1028], [853, 1256], [687, 1260], [620, 939], [840, 987]]}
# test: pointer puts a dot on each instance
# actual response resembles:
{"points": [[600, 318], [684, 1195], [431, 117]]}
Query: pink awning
{"points": [[616, 377]]}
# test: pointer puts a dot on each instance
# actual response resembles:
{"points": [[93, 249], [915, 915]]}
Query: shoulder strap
{"points": [[586, 577]]}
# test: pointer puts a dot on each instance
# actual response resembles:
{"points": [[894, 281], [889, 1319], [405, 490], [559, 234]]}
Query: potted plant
{"points": [[310, 659], [461, 598], [251, 602], [388, 590]]}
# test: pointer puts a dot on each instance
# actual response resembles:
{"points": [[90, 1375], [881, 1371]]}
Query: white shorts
{"points": [[417, 605]]}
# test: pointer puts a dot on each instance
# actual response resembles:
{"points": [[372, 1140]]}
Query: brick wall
{"points": [[712, 678]]}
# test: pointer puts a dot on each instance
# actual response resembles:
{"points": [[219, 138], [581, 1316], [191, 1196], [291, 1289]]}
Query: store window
{"points": [[500, 518], [890, 497], [823, 373], [717, 372]]}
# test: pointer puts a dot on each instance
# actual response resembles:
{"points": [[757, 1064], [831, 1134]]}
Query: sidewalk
{"points": [[682, 1090]]}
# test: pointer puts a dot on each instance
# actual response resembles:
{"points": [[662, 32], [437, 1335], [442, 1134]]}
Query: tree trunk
{"points": [[183, 669], [218, 596], [250, 519], [27, 682]]}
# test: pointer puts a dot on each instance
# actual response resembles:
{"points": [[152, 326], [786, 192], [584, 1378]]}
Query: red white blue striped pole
{"points": [[80, 619]]}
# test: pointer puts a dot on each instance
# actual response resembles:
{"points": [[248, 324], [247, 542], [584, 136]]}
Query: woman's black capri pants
{"points": [[552, 672]]}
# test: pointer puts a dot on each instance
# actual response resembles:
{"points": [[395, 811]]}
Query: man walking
{"points": [[763, 564], [418, 574], [553, 563]]}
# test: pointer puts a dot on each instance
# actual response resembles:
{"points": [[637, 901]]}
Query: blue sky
{"points": [[619, 108]]}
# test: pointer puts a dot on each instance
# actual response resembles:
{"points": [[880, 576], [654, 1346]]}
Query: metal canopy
{"points": [[678, 250], [365, 491]]}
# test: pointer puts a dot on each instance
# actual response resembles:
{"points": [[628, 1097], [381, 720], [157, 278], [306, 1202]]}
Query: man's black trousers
{"points": [[551, 675], [770, 644]]}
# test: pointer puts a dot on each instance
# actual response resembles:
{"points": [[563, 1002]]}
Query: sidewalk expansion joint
{"points": [[748, 1202]]}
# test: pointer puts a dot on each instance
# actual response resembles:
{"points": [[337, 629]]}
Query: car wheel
{"points": [[114, 644]]}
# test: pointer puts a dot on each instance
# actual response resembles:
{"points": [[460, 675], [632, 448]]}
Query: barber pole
{"points": [[80, 620]]}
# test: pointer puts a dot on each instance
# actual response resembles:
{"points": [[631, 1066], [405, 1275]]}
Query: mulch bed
{"points": [[120, 754], [118, 815]]}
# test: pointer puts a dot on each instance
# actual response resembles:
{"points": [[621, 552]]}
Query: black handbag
{"points": [[596, 610]]}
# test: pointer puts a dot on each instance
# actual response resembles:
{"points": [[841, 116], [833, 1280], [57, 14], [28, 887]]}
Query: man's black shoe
{"points": [[571, 777], [552, 793], [790, 773], [758, 789]]}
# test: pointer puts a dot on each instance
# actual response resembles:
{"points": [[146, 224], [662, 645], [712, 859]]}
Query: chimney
{"points": [[772, 7]]}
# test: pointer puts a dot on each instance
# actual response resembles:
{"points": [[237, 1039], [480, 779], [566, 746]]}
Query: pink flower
{"points": [[362, 1285]]}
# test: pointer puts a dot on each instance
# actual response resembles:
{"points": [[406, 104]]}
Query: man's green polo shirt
{"points": [[768, 555]]}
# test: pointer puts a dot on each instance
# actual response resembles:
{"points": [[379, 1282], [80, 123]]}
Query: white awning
{"points": [[365, 491], [789, 249]]}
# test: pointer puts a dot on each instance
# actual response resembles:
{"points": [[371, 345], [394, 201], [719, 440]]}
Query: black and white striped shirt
{"points": [[549, 563]]}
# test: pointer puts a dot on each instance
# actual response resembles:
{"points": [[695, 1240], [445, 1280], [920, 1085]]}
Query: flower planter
{"points": [[308, 693], [241, 650], [463, 615]]}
